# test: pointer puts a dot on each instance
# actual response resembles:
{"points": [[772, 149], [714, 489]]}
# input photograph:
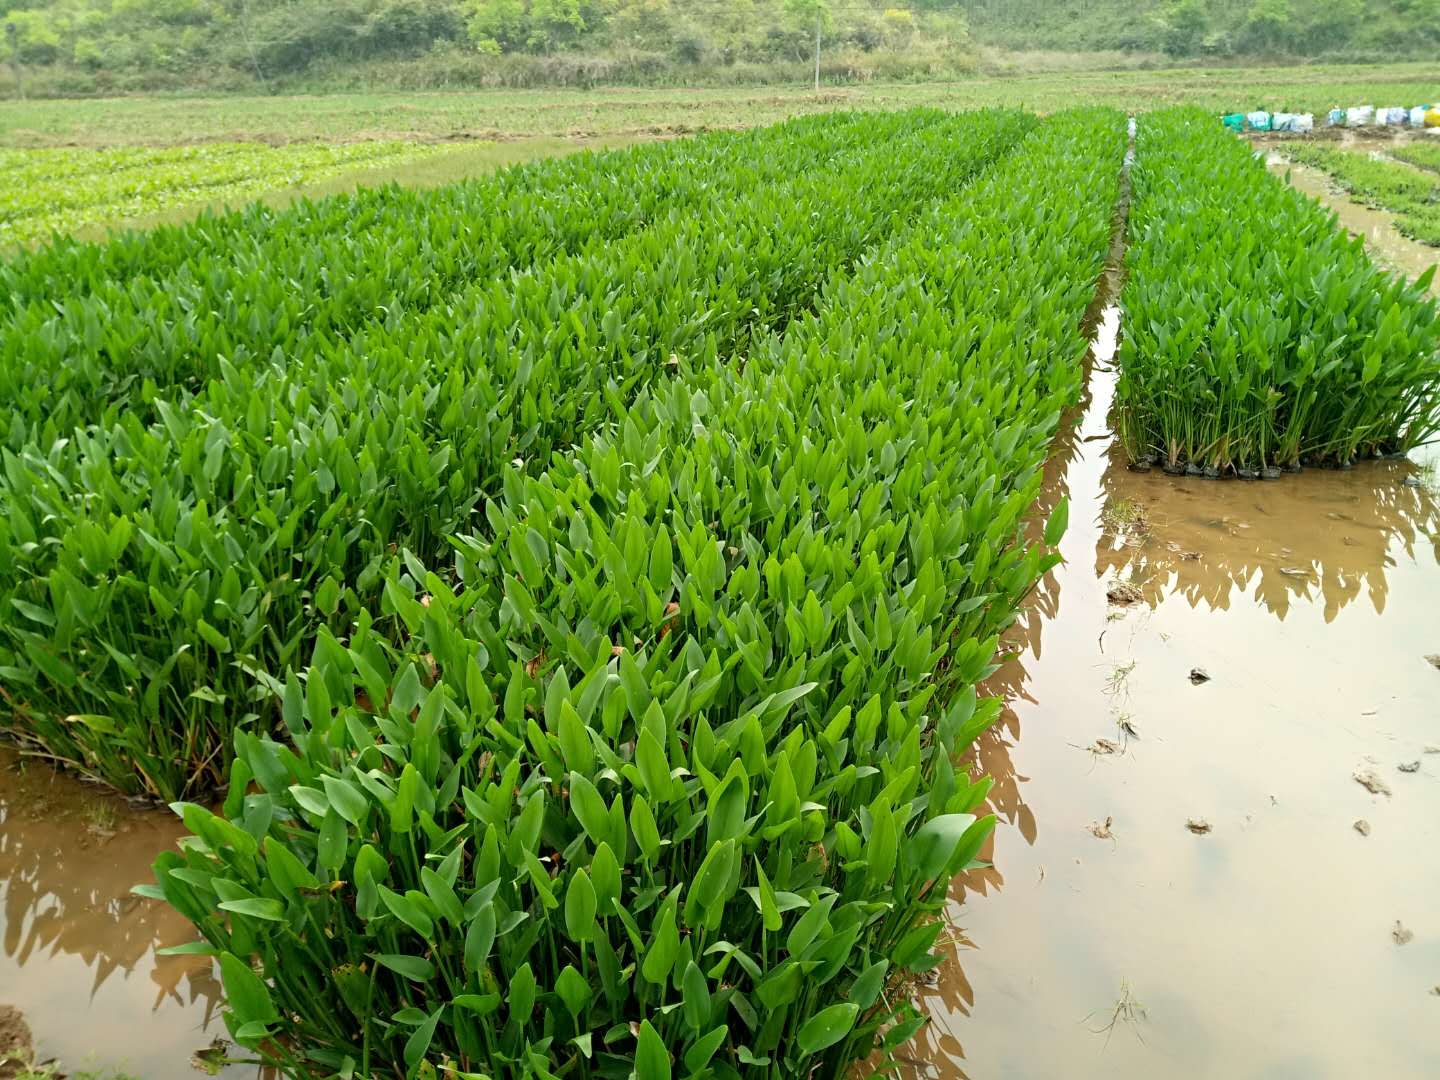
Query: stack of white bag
{"points": [[1299, 123], [1365, 115]]}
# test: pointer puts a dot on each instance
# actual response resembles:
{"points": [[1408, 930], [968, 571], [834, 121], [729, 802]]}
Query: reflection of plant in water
{"points": [[1429, 479], [68, 859], [1326, 536]]}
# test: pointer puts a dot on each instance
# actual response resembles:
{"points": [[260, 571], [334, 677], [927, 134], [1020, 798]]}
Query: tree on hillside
{"points": [[533, 25], [1269, 23], [1185, 26]]}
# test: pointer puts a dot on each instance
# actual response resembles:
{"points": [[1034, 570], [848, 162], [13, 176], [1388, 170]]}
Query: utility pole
{"points": [[12, 34], [817, 47]]}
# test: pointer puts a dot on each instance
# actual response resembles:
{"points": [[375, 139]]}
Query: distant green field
{"points": [[162, 159], [516, 113], [88, 192], [44, 191]]}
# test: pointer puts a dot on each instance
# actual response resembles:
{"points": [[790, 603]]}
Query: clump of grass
{"points": [[1117, 683], [101, 818], [1126, 521], [1429, 479], [1127, 1011], [30, 1069], [1122, 514]]}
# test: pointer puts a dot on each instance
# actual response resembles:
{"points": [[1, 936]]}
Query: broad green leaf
{"points": [[652, 1060], [827, 1027], [245, 992], [414, 968], [418, 1045], [1058, 521], [580, 907]]}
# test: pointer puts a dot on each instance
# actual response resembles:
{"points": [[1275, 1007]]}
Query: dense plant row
{"points": [[96, 326], [658, 778], [1259, 336], [161, 569], [1412, 195], [43, 192], [1424, 155], [34, 166]]}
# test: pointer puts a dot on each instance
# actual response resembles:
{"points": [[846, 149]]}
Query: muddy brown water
{"points": [[77, 950]]}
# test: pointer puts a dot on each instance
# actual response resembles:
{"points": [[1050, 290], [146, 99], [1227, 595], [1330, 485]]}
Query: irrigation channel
{"points": [[1179, 887]]}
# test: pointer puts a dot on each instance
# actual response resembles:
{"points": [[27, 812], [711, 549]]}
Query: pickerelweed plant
{"points": [[91, 331], [657, 776], [1257, 334], [165, 573]]}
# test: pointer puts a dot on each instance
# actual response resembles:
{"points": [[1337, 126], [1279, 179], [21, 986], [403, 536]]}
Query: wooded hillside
{"points": [[89, 46]]}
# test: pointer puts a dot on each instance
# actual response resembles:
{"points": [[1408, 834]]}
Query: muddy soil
{"points": [[77, 950], [1228, 919], [17, 1045]]}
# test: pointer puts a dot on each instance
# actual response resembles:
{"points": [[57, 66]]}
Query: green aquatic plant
{"points": [[655, 774], [162, 573], [1424, 155], [90, 331], [1257, 335], [1413, 196]]}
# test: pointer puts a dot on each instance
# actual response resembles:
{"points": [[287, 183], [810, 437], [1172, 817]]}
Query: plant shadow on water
{"points": [[1310, 603], [79, 957]]}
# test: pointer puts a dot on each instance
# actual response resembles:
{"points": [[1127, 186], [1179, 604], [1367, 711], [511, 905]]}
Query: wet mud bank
{"points": [[1218, 779]]}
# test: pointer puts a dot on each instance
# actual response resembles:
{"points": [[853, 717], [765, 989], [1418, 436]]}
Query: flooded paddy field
{"points": [[1217, 774]]}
